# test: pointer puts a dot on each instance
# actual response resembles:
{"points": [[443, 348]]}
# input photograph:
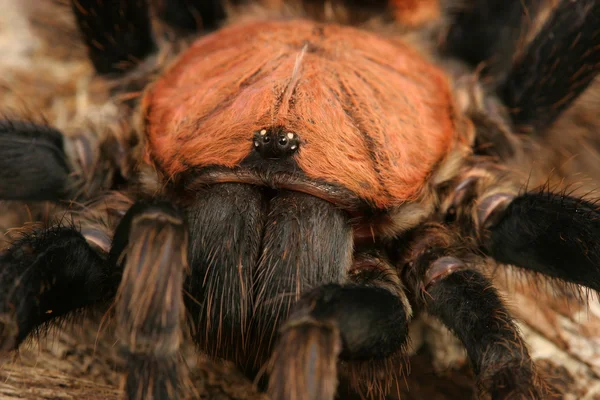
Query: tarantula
{"points": [[294, 189]]}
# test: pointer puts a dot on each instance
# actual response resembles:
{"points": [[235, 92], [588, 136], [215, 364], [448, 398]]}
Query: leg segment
{"points": [[466, 302], [557, 67], [488, 31], [192, 15], [33, 163], [468, 305], [553, 234], [365, 321], [39, 163], [45, 275], [118, 33], [149, 304], [352, 11]]}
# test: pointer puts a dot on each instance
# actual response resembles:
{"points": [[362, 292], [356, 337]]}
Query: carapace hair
{"points": [[333, 87]]}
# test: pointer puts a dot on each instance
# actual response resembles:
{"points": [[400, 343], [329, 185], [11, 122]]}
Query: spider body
{"points": [[333, 91], [300, 190]]}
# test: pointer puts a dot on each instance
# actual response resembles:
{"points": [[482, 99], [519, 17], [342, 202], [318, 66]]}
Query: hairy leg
{"points": [[550, 233], [363, 321], [192, 15], [556, 68], [40, 163], [443, 280], [33, 163], [350, 11], [553, 234], [153, 245], [488, 32], [118, 33], [48, 274]]}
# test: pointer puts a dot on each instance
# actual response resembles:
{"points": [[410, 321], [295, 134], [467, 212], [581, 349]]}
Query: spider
{"points": [[292, 187]]}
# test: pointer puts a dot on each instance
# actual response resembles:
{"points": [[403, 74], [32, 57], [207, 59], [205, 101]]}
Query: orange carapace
{"points": [[371, 114]]}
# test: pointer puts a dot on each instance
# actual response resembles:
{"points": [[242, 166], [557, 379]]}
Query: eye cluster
{"points": [[276, 143]]}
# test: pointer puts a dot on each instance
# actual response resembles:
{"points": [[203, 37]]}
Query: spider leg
{"points": [[560, 63], [192, 15], [488, 31], [153, 241], [466, 302], [45, 275], [366, 320], [355, 11], [40, 163], [118, 33], [550, 233], [33, 163]]}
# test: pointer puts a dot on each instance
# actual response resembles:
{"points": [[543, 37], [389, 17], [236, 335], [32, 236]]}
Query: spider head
{"points": [[341, 114]]}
